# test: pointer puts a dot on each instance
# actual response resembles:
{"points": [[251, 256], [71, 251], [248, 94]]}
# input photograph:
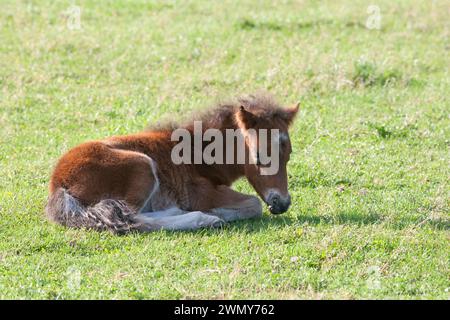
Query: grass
{"points": [[368, 176]]}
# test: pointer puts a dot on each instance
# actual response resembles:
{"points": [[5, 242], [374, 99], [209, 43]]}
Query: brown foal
{"points": [[131, 182]]}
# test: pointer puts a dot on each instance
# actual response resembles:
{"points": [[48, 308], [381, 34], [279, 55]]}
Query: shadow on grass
{"points": [[343, 218], [440, 224], [272, 25], [280, 221]]}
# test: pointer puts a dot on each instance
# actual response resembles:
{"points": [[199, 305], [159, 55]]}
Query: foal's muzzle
{"points": [[277, 203]]}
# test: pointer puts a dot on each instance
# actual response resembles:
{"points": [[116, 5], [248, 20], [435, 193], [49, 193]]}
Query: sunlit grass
{"points": [[368, 176]]}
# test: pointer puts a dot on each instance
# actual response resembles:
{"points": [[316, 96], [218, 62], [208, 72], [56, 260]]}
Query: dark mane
{"points": [[261, 104]]}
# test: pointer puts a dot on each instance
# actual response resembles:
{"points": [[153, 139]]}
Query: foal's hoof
{"points": [[218, 224], [208, 221]]}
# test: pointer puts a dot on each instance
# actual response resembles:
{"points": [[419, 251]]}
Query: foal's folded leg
{"points": [[230, 205], [182, 221], [173, 211], [247, 209]]}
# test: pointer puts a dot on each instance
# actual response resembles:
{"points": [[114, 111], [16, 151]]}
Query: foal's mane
{"points": [[262, 105]]}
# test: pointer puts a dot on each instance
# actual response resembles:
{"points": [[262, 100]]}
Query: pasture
{"points": [[368, 175]]}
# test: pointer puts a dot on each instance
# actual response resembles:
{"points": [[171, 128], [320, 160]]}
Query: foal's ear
{"points": [[245, 119], [290, 113]]}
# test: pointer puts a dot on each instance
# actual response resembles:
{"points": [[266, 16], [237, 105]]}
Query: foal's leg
{"points": [[174, 211], [177, 219], [248, 209], [230, 205]]}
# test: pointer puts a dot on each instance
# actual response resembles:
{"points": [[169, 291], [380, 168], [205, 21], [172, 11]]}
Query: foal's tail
{"points": [[113, 215]]}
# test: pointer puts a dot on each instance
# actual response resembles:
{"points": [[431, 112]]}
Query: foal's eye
{"points": [[283, 138]]}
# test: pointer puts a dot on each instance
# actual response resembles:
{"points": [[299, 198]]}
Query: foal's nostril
{"points": [[274, 200], [278, 204]]}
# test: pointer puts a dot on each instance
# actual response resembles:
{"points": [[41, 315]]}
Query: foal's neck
{"points": [[221, 174]]}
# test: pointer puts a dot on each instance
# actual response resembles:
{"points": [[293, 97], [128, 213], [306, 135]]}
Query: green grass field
{"points": [[368, 176]]}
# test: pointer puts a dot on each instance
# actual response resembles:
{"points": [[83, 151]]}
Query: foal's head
{"points": [[269, 150]]}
